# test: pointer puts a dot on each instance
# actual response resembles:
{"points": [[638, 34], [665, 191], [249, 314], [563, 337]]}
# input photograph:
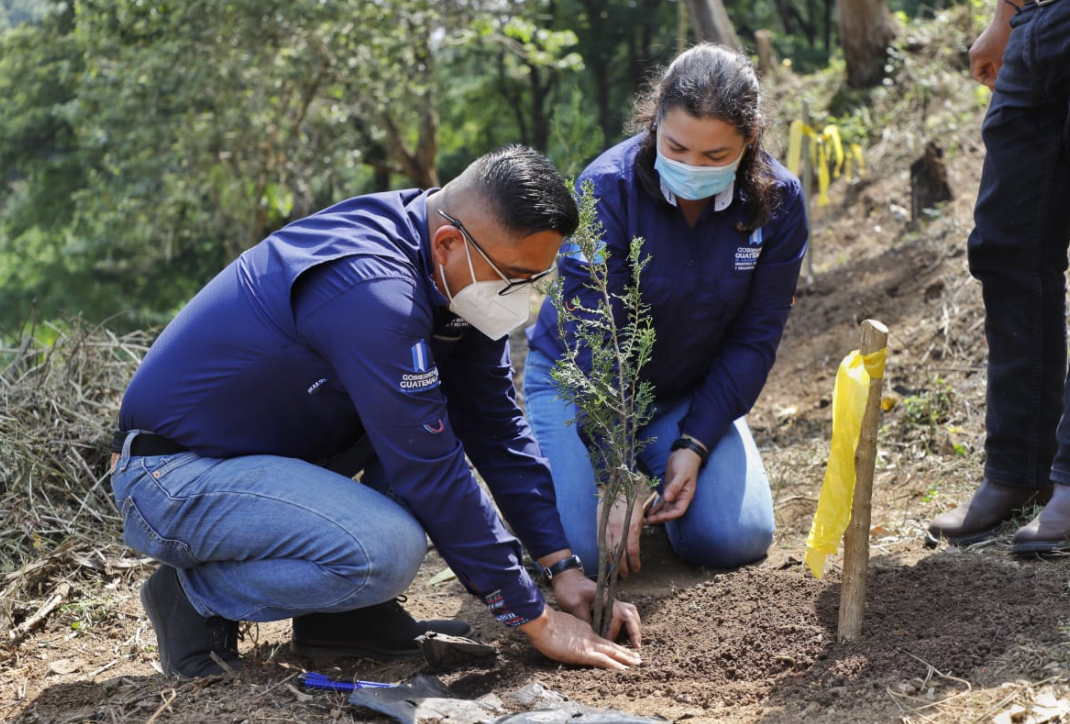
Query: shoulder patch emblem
{"points": [[424, 375]]}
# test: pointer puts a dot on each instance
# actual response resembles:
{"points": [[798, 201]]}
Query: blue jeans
{"points": [[1018, 251], [730, 520], [262, 538]]}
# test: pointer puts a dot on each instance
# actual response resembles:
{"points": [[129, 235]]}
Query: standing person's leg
{"points": [[256, 538], [1048, 49], [574, 482], [729, 522], [1018, 253]]}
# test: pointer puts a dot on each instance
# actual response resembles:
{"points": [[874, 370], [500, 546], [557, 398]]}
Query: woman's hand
{"points": [[681, 477], [629, 560]]}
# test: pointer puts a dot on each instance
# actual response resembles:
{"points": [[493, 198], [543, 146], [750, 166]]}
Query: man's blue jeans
{"points": [[730, 520], [262, 538], [1018, 251]]}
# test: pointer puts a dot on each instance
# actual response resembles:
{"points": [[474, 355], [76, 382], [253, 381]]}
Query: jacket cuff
{"points": [[517, 605], [706, 430]]}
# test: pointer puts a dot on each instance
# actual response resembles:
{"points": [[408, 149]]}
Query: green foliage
{"points": [[575, 138], [931, 407], [144, 144], [616, 339]]}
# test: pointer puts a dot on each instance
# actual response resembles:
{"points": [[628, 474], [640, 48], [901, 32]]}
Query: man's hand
{"points": [[986, 53], [681, 477], [629, 560], [567, 639], [575, 594]]}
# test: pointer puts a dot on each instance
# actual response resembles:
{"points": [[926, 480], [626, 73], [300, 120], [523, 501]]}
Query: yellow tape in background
{"points": [[837, 491], [831, 134], [826, 145], [822, 176]]}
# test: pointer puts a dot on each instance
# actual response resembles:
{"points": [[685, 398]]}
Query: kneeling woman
{"points": [[725, 227]]}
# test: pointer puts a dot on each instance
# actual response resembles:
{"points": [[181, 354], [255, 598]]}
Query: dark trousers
{"points": [[1018, 251]]}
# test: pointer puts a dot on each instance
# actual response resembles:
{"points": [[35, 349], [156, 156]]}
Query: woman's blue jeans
{"points": [[730, 520], [1018, 251], [262, 538]]}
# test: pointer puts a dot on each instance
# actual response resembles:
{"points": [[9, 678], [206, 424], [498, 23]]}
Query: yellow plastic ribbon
{"points": [[837, 491], [822, 176], [831, 135], [823, 147]]}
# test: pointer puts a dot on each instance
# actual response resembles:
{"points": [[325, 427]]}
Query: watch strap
{"points": [[687, 443], [565, 564]]}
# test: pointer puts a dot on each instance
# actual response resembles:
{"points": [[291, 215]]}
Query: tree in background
{"points": [[41, 166], [621, 41], [711, 23], [866, 30], [146, 144], [530, 58]]}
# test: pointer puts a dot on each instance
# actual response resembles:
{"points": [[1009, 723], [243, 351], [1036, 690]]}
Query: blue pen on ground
{"points": [[313, 680]]}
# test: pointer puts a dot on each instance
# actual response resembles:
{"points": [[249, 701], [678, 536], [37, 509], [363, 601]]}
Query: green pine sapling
{"points": [[617, 335]]}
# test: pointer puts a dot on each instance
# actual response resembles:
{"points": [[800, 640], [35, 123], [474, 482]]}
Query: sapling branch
{"points": [[608, 338]]}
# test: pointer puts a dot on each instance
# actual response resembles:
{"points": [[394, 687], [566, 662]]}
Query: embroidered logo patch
{"points": [[450, 327], [435, 427], [424, 375], [747, 256]]}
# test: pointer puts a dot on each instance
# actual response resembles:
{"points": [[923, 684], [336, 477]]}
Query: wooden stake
{"points": [[808, 191], [856, 540]]}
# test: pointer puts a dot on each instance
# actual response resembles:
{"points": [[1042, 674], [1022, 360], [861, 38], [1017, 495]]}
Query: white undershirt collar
{"points": [[720, 202]]}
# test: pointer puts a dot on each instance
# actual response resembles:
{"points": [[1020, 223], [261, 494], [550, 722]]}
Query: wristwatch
{"points": [[561, 566], [686, 442]]}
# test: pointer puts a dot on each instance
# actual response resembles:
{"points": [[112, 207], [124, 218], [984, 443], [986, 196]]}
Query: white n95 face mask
{"points": [[480, 305]]}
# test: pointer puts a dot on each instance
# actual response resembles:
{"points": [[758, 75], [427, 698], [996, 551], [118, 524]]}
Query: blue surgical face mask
{"points": [[695, 182]]}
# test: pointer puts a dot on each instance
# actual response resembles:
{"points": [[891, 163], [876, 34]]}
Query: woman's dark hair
{"points": [[523, 190], [710, 81]]}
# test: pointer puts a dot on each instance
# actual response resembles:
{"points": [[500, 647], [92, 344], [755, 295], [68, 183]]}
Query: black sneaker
{"points": [[382, 632], [185, 638]]}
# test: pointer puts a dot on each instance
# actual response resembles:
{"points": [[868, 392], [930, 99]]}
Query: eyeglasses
{"points": [[511, 285]]}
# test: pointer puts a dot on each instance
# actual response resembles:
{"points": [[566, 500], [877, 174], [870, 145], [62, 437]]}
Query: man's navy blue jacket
{"points": [[332, 328], [719, 298]]}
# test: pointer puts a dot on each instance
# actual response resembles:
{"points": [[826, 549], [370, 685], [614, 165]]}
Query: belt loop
{"points": [[124, 457]]}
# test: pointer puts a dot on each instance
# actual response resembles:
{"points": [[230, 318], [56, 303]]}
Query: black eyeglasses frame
{"points": [[511, 285]]}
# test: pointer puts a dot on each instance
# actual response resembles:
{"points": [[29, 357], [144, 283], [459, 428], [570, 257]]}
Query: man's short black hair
{"points": [[524, 191]]}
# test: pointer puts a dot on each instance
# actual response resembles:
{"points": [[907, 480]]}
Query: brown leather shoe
{"points": [[1049, 532], [991, 506]]}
